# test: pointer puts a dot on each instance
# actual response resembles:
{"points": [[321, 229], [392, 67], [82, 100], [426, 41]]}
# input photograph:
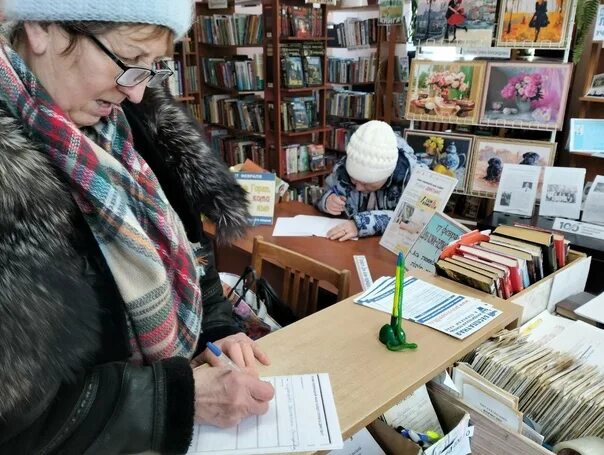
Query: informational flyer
{"points": [[517, 189], [586, 135], [454, 314], [260, 188], [593, 211], [561, 192], [426, 193]]}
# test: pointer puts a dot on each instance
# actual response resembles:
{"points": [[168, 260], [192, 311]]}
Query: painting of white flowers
{"points": [[445, 91], [526, 95]]}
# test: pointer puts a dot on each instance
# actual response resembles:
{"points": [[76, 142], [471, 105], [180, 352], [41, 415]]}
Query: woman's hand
{"points": [[241, 349], [335, 204], [343, 231], [223, 397]]}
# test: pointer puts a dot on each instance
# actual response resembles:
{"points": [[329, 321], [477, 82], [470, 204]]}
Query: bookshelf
{"points": [[231, 79], [295, 94], [185, 84]]}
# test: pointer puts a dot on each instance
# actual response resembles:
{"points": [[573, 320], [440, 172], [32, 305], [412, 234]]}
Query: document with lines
{"points": [[302, 417]]}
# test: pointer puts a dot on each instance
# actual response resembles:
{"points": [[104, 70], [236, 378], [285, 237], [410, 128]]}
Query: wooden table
{"points": [[337, 254], [366, 378]]}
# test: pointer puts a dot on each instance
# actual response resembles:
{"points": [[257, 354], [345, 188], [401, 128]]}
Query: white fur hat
{"points": [[372, 154], [177, 15]]}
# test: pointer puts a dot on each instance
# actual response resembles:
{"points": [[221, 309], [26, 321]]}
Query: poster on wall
{"points": [[455, 21]]}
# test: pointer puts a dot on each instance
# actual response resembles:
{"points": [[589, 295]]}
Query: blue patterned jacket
{"points": [[370, 222]]}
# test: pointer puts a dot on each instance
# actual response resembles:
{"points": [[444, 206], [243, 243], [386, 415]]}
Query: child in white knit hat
{"points": [[366, 184]]}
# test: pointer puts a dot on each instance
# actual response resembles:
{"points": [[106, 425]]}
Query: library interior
{"points": [[354, 227]]}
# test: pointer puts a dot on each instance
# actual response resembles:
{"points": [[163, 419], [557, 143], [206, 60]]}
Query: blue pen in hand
{"points": [[339, 193], [222, 356]]}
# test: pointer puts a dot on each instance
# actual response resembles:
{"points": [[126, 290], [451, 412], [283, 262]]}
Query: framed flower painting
{"points": [[533, 23], [490, 154], [445, 91], [448, 154], [526, 95]]}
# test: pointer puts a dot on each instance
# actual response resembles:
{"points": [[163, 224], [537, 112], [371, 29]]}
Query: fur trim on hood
{"points": [[207, 181]]}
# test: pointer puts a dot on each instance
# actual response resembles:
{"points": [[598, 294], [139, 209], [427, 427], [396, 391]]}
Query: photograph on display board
{"points": [[455, 21], [531, 95], [490, 154], [447, 154], [445, 91], [533, 24]]}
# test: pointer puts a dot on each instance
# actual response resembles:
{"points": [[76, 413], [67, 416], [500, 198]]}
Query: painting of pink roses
{"points": [[526, 95]]}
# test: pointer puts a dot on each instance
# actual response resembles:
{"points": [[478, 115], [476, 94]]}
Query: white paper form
{"points": [[361, 443], [454, 314], [287, 227], [415, 413], [301, 418], [517, 189], [305, 226]]}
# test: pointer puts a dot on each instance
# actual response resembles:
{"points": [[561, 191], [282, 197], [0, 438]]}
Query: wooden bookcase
{"points": [[275, 92], [187, 55]]}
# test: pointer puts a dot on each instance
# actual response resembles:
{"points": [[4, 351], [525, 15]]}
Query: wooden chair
{"points": [[301, 276]]}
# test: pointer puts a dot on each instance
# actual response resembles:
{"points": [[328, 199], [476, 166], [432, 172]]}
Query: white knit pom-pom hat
{"points": [[177, 15], [372, 154]]}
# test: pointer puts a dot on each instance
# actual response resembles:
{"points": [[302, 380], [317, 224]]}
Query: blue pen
{"points": [[337, 192], [221, 355]]}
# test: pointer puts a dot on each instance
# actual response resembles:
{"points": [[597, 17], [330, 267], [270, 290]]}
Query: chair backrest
{"points": [[301, 276]]}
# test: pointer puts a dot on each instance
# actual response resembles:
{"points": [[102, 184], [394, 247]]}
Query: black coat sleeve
{"points": [[54, 394]]}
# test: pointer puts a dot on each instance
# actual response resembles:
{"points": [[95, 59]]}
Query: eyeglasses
{"points": [[131, 76]]}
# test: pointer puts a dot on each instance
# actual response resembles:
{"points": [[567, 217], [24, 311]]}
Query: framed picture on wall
{"points": [[533, 23], [490, 154], [448, 154], [455, 21], [527, 95], [447, 92]]}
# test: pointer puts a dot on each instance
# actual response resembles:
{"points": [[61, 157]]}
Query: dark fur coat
{"points": [[51, 311]]}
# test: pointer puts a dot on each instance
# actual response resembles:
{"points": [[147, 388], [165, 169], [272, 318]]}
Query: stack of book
{"points": [[303, 158], [242, 113], [297, 113], [236, 72], [353, 33], [301, 21], [236, 149], [350, 104], [351, 70], [504, 263], [301, 64], [230, 30]]}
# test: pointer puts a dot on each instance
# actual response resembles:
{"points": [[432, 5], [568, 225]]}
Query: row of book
{"points": [[301, 21], [230, 30], [353, 33], [297, 113], [236, 72], [301, 63], [303, 158], [244, 113], [176, 82], [308, 193], [352, 70], [236, 149], [196, 110], [504, 263], [350, 104], [339, 135], [398, 104]]}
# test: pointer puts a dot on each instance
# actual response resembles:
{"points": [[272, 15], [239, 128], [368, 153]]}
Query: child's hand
{"points": [[335, 204], [343, 231]]}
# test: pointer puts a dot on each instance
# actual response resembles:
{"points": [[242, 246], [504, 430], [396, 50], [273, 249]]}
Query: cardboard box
{"points": [[453, 419]]}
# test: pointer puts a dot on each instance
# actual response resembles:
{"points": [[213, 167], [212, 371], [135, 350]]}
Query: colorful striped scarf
{"points": [[139, 233]]}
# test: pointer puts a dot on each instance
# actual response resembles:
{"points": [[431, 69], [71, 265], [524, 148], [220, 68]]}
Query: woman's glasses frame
{"points": [[131, 76]]}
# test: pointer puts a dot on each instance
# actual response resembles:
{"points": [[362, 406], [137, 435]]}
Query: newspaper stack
{"points": [[555, 367], [426, 304]]}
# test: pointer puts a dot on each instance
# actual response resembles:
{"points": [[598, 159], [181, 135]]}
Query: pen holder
{"points": [[393, 336]]}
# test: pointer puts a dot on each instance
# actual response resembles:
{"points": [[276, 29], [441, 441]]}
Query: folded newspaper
{"points": [[454, 314]]}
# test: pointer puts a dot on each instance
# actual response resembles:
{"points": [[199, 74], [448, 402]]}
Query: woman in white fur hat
{"points": [[366, 184], [103, 273]]}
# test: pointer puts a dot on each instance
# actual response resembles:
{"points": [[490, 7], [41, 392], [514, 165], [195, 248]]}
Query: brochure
{"points": [[260, 188], [427, 192], [517, 189], [562, 191]]}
